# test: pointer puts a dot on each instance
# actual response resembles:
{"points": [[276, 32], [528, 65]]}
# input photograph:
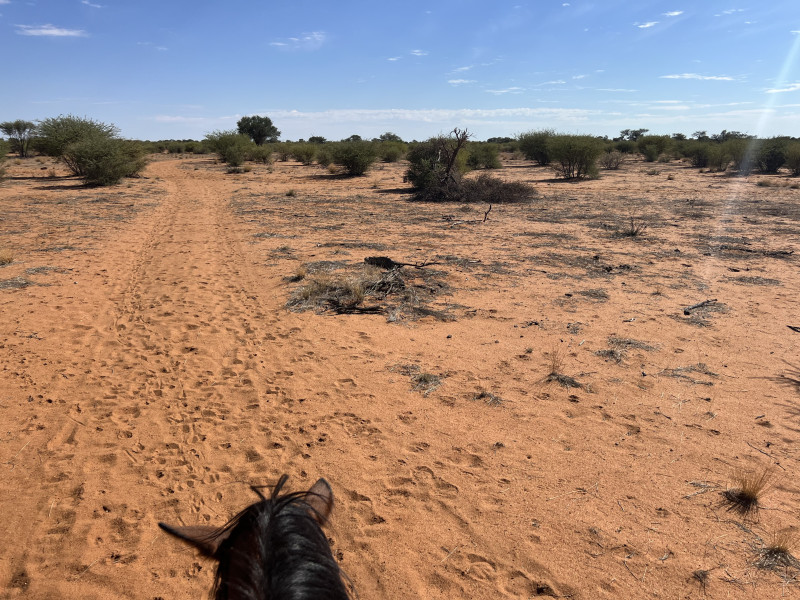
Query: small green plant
{"points": [[746, 491]]}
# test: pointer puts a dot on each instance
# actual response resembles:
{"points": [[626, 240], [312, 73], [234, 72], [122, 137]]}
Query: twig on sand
{"points": [[765, 454], [688, 310], [451, 553], [8, 462]]}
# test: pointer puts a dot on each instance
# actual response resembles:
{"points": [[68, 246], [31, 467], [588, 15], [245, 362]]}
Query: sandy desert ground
{"points": [[155, 365]]}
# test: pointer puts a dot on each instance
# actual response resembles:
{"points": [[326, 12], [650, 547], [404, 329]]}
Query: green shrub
{"points": [[718, 157], [391, 151], [355, 156], [284, 150], [483, 156], [792, 153], [20, 134], [575, 156], [5, 148], [698, 153], [232, 147], [649, 152], [535, 145], [625, 146], [771, 155], [56, 133], [104, 161], [260, 154], [436, 167], [653, 146], [304, 153], [324, 156]]}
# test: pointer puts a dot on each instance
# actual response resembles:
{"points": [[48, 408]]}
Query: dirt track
{"points": [[151, 372]]}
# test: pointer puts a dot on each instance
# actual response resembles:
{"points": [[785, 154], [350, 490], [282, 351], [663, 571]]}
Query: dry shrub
{"points": [[6, 257], [611, 160], [425, 382], [486, 188]]}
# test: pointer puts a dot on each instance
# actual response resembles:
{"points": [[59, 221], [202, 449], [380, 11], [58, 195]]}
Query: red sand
{"points": [[151, 371]]}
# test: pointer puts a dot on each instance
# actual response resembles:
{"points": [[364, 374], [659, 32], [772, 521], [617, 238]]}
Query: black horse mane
{"points": [[274, 549]]}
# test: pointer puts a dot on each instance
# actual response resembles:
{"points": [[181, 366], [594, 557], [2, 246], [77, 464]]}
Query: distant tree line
{"points": [[94, 150]]}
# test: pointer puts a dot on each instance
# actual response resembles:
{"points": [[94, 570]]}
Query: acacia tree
{"points": [[260, 129], [21, 133]]}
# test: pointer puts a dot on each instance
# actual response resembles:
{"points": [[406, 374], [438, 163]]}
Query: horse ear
{"points": [[206, 539], [320, 499]]}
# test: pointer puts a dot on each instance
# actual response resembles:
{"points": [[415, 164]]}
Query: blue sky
{"points": [[179, 69]]}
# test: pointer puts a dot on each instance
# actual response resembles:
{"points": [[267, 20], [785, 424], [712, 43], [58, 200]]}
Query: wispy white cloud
{"points": [[792, 87], [616, 90], [698, 76], [87, 3], [307, 41], [49, 31], [795, 32], [419, 53], [579, 76], [5, 1], [730, 11], [553, 82], [394, 58], [433, 115], [460, 81], [509, 90], [462, 69], [646, 25], [152, 45], [673, 13]]}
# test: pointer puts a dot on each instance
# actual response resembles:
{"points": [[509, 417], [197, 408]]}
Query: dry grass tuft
{"points": [[488, 397], [555, 370], [777, 553], [6, 257], [748, 487], [425, 382], [634, 228]]}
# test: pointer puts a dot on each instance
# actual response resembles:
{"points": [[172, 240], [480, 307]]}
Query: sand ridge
{"points": [[152, 372]]}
